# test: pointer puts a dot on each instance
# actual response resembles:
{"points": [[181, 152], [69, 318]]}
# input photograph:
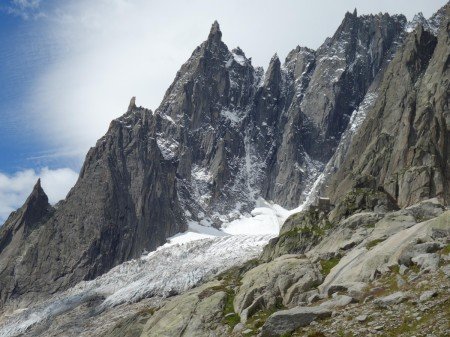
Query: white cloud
{"points": [[15, 188]]}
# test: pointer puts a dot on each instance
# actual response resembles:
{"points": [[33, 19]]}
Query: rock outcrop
{"points": [[124, 203], [20, 227], [403, 143]]}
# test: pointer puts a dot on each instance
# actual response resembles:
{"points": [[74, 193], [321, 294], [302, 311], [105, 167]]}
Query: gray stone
{"points": [[392, 299], [446, 270], [400, 281], [286, 279], [402, 270], [427, 262], [238, 327], [426, 295], [338, 301], [314, 298], [361, 318], [286, 321]]}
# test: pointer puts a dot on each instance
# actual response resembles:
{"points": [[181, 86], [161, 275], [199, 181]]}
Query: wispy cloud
{"points": [[15, 188], [24, 8]]}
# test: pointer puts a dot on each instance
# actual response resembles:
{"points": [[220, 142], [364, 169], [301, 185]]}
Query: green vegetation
{"points": [[231, 318], [147, 311], [287, 334], [258, 319], [373, 243], [230, 280], [342, 333], [327, 265], [316, 334]]}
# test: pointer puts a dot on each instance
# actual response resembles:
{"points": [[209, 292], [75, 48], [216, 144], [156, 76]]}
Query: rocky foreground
{"points": [[376, 272], [371, 273]]}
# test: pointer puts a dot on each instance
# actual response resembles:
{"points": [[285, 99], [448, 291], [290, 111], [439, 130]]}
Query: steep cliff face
{"points": [[403, 142], [20, 228], [123, 204], [346, 66], [238, 134]]}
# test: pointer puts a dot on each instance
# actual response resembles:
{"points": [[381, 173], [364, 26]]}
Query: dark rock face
{"points": [[19, 228], [238, 134], [123, 204], [403, 143], [346, 66]]}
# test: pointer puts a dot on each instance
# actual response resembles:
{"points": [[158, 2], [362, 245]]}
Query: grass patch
{"points": [[230, 317], [373, 243], [316, 334], [287, 334], [258, 319], [327, 265], [147, 311], [342, 333]]}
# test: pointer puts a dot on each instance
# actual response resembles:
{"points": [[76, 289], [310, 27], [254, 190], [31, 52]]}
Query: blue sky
{"points": [[68, 67]]}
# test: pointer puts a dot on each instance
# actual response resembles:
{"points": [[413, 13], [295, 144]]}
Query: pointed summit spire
{"points": [[273, 73], [36, 207], [132, 104], [355, 12], [38, 192], [215, 34]]}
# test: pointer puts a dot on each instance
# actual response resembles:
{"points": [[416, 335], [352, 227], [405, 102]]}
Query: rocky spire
{"points": [[273, 74], [132, 103], [215, 35], [36, 206]]}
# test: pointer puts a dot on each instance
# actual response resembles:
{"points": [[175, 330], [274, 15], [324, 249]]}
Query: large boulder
{"points": [[286, 321], [196, 313], [282, 282], [299, 233]]}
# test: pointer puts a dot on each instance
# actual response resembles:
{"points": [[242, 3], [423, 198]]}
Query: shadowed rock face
{"points": [[403, 143], [123, 204], [18, 229], [225, 134]]}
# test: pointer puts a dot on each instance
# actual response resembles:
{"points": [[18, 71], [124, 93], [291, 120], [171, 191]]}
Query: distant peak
{"points": [[355, 12], [132, 104], [37, 189], [215, 27], [215, 33], [274, 58], [36, 205]]}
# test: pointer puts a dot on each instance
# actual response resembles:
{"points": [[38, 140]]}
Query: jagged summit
{"points": [[38, 191], [215, 34], [132, 104], [36, 205]]}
